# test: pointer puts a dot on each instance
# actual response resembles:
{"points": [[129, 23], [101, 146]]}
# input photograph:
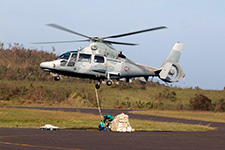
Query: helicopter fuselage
{"points": [[98, 61]]}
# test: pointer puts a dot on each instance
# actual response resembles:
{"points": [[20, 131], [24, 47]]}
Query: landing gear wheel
{"points": [[109, 82], [56, 78], [97, 86]]}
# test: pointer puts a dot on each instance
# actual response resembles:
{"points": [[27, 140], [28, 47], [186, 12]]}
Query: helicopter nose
{"points": [[47, 66]]}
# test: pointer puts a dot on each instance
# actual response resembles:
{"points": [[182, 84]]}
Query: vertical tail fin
{"points": [[171, 69], [174, 54]]}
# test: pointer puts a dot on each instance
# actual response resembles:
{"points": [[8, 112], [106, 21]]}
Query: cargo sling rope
{"points": [[99, 109]]}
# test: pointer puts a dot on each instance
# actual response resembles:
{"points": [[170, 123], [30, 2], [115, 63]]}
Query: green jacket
{"points": [[108, 117]]}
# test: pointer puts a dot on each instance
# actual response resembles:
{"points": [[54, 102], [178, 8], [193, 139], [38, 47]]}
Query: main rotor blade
{"points": [[120, 43], [136, 32], [59, 42], [67, 30]]}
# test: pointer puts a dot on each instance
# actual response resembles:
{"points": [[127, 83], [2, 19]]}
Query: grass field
{"points": [[82, 94], [191, 115], [31, 118]]}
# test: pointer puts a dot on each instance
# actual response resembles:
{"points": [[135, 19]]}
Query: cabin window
{"points": [[99, 59], [84, 58], [72, 60], [64, 56]]}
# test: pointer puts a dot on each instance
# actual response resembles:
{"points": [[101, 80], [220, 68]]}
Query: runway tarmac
{"points": [[24, 139]]}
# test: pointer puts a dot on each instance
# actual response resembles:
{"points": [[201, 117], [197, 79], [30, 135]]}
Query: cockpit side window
{"points": [[99, 59], [85, 58], [64, 56], [72, 60], [73, 57]]}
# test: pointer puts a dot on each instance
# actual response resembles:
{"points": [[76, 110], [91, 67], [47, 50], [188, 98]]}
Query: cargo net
{"points": [[121, 123]]}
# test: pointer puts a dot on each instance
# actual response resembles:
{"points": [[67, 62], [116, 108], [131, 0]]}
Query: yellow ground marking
{"points": [[13, 136], [27, 145]]}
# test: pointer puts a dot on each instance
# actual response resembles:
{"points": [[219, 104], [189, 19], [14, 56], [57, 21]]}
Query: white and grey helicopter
{"points": [[101, 61]]}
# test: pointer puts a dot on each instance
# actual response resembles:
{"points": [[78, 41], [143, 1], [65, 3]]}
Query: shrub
{"points": [[220, 105], [200, 102], [9, 93], [166, 94], [140, 104]]}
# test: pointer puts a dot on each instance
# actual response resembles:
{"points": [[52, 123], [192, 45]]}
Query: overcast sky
{"points": [[200, 25]]}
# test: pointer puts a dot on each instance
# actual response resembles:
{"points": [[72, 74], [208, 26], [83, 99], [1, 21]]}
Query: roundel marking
{"points": [[126, 68]]}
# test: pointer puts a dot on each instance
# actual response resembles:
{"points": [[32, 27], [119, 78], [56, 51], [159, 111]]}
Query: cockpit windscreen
{"points": [[64, 56]]}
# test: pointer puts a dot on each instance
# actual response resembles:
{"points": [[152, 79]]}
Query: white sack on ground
{"points": [[121, 123]]}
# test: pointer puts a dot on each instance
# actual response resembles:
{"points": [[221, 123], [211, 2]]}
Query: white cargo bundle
{"points": [[49, 127], [121, 123]]}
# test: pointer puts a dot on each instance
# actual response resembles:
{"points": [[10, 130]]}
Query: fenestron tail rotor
{"points": [[98, 39]]}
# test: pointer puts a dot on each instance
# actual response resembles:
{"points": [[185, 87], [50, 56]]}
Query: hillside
{"points": [[22, 82], [17, 63]]}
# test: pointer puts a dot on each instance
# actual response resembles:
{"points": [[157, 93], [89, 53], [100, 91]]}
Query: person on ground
{"points": [[102, 125]]}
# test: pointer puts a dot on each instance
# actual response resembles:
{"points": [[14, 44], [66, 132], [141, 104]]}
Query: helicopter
{"points": [[101, 61]]}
